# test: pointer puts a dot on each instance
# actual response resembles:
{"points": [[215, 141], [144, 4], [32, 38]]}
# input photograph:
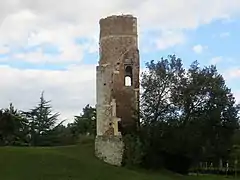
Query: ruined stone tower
{"points": [[117, 85]]}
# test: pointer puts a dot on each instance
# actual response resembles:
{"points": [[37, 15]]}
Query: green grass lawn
{"points": [[71, 163]]}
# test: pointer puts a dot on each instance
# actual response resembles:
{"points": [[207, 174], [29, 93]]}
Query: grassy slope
{"points": [[69, 163]]}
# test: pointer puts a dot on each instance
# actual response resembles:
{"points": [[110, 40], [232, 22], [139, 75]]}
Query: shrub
{"points": [[133, 150]]}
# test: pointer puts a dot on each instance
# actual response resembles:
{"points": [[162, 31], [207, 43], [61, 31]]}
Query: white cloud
{"points": [[170, 39], [224, 34], [216, 60], [232, 73], [33, 30], [221, 35], [69, 90], [4, 49], [26, 23], [53, 22], [173, 14], [199, 48], [237, 96], [70, 54]]}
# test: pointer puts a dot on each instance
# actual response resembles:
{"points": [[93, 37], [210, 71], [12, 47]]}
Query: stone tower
{"points": [[117, 85]]}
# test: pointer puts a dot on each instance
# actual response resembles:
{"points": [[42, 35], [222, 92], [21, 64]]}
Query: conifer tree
{"points": [[41, 120]]}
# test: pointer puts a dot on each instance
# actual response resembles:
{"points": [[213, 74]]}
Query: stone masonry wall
{"points": [[118, 25], [104, 98], [109, 149], [118, 49]]}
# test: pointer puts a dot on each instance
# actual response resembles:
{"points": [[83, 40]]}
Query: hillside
{"points": [[69, 163]]}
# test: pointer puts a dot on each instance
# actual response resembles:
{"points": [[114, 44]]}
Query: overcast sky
{"points": [[52, 45]]}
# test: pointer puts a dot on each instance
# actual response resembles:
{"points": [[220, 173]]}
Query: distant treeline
{"points": [[40, 127]]}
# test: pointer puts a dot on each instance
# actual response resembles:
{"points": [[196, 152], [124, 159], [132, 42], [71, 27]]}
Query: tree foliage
{"points": [[41, 127], [41, 121], [187, 115], [85, 123], [13, 128]]}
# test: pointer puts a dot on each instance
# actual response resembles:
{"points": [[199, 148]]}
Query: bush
{"points": [[84, 139], [133, 150], [177, 163]]}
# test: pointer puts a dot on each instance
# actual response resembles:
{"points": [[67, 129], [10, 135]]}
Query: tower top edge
{"points": [[115, 17], [118, 25]]}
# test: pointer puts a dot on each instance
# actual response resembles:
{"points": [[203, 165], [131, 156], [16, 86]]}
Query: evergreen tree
{"points": [[41, 120], [85, 123], [13, 127]]}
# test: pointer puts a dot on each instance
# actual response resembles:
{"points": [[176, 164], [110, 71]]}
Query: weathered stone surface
{"points": [[118, 25], [109, 149], [116, 101], [104, 98], [119, 49]]}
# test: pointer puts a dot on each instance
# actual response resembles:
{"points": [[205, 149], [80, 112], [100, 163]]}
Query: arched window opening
{"points": [[128, 76], [128, 81]]}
